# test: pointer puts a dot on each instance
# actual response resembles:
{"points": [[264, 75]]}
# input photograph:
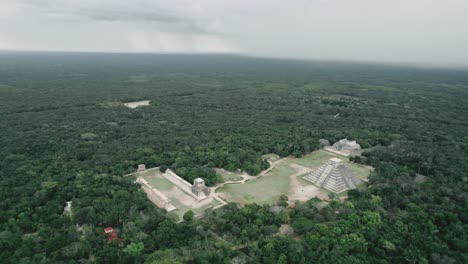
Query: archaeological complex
{"points": [[173, 193], [197, 192]]}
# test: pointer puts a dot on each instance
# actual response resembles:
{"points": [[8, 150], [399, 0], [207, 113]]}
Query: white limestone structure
{"points": [[141, 167], [334, 176], [199, 188], [345, 147], [136, 104], [184, 185], [156, 196], [68, 208]]}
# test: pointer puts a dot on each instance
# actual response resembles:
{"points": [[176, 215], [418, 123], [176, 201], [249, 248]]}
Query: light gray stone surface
{"points": [[334, 176]]}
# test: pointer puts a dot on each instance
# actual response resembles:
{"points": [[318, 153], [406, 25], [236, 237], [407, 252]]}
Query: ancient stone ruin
{"points": [[141, 167], [334, 176], [68, 208], [187, 187], [199, 188], [324, 143], [136, 104], [345, 147], [156, 196]]}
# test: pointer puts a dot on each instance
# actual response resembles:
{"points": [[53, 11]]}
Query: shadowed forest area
{"points": [[65, 135]]}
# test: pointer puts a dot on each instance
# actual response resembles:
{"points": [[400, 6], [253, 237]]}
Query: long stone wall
{"points": [[156, 196], [181, 183]]}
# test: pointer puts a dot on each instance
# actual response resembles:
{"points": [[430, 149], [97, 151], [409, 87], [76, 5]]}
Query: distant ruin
{"points": [[334, 176], [345, 147], [141, 168], [324, 143], [68, 208], [137, 104]]}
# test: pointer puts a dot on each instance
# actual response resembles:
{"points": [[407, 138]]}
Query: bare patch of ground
{"points": [[301, 191], [286, 229], [137, 104]]}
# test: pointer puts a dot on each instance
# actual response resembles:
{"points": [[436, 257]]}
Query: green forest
{"points": [[65, 135]]}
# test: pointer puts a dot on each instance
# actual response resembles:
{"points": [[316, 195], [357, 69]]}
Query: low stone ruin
{"points": [[345, 147], [141, 167], [137, 104], [324, 143], [68, 208]]}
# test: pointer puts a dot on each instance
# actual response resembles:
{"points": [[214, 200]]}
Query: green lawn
{"points": [[267, 189], [159, 182], [228, 176], [148, 172], [271, 157], [315, 159], [155, 179], [182, 209], [263, 190]]}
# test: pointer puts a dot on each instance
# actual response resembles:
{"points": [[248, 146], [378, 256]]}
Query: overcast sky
{"points": [[428, 32]]}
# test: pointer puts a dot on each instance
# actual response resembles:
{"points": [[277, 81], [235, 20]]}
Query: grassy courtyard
{"points": [[267, 189], [262, 190], [225, 176]]}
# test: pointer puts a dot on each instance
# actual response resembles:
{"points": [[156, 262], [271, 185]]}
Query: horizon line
{"points": [[418, 65]]}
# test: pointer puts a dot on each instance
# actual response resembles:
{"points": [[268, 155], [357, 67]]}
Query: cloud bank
{"points": [[427, 32]]}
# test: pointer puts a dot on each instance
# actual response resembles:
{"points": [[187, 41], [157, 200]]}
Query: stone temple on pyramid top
{"points": [[334, 176]]}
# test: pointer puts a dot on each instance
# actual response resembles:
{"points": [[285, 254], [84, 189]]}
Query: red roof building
{"points": [[112, 235], [108, 230]]}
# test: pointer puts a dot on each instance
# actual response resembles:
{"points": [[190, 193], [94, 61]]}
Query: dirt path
{"points": [[299, 191], [273, 165]]}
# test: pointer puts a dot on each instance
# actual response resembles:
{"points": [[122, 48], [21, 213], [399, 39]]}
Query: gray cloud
{"points": [[106, 11], [398, 31]]}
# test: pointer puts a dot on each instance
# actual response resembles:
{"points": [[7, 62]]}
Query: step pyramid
{"points": [[334, 176]]}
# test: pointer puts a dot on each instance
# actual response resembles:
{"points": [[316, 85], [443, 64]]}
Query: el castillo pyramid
{"points": [[334, 176]]}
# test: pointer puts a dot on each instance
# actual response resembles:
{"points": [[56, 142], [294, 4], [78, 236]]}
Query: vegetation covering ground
{"points": [[66, 136]]}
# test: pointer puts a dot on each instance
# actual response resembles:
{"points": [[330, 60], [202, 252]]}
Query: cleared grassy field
{"points": [[228, 176], [263, 190], [182, 209], [271, 157], [286, 178]]}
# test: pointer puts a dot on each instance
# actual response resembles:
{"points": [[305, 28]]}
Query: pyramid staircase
{"points": [[334, 176]]}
